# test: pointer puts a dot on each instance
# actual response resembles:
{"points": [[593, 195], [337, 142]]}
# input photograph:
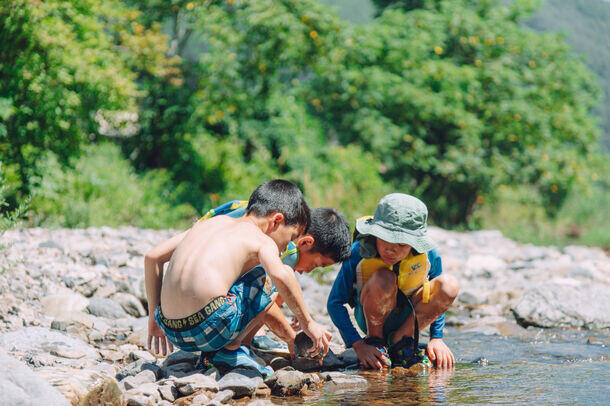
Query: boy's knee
{"points": [[381, 285], [449, 287]]}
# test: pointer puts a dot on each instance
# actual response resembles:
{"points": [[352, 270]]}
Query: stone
{"points": [[223, 396], [178, 370], [563, 304], [302, 343], [287, 383], [130, 304], [279, 363], [104, 307], [107, 393], [169, 392], [39, 340], [338, 380], [145, 355], [19, 385], [180, 356], [66, 302], [243, 382], [138, 400], [149, 389], [194, 382]]}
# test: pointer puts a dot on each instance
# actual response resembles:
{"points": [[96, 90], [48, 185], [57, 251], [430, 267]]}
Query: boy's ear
{"points": [[305, 242], [276, 219]]}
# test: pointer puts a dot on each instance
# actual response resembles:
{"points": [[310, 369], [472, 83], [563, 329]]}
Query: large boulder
{"points": [[564, 303], [19, 385]]}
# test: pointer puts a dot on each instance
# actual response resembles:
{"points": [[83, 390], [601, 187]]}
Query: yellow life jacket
{"points": [[412, 274]]}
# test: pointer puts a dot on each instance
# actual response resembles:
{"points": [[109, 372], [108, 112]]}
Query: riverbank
{"points": [[73, 324]]}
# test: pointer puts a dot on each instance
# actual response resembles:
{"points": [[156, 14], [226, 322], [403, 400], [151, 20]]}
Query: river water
{"points": [[544, 367]]}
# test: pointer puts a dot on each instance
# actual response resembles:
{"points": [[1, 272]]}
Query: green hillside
{"points": [[586, 24]]}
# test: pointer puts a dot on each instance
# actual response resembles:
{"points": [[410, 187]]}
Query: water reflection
{"points": [[548, 367]]}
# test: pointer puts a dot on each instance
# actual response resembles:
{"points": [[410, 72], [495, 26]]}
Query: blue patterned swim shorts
{"points": [[222, 320]]}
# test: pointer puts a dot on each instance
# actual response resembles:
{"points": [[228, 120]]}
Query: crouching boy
{"points": [[210, 298], [393, 275]]}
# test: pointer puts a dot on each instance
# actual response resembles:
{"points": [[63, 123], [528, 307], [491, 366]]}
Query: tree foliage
{"points": [[445, 100], [455, 98]]}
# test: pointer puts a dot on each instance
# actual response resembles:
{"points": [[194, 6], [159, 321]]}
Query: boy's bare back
{"points": [[206, 263]]}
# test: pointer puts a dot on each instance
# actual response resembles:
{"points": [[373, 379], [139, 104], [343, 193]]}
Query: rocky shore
{"points": [[73, 319]]}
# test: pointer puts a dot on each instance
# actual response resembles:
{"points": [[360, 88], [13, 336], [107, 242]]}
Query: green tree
{"points": [[59, 68], [456, 98]]}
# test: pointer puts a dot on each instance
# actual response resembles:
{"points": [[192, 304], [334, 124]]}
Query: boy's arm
{"points": [[154, 261], [290, 290], [279, 325], [438, 351], [340, 295], [436, 268]]}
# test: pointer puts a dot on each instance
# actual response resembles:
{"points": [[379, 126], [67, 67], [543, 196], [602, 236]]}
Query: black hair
{"points": [[280, 196], [330, 231]]}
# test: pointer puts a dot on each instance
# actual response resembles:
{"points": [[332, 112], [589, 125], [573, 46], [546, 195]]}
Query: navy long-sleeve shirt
{"points": [[344, 287]]}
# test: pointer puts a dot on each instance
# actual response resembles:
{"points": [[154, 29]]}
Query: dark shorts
{"points": [[222, 320], [392, 323]]}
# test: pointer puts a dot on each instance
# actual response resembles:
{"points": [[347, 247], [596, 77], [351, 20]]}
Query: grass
{"points": [[584, 219]]}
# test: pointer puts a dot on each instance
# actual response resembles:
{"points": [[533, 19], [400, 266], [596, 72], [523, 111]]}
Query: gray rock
{"points": [[192, 383], [338, 380], [180, 356], [130, 304], [302, 343], [145, 355], [177, 370], [224, 396], [39, 340], [104, 307], [141, 378], [330, 362], [287, 383], [564, 305], [168, 392], [243, 382], [138, 400], [149, 389], [19, 385], [279, 363], [201, 399]]}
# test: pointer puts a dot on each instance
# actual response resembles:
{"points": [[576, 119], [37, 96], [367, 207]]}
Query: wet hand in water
{"points": [[440, 354], [320, 338], [370, 357]]}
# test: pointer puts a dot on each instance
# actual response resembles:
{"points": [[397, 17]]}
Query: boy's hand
{"points": [[320, 338], [156, 334], [369, 356], [440, 354]]}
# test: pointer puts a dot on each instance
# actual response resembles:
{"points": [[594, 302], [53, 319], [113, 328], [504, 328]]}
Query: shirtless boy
{"points": [[211, 298]]}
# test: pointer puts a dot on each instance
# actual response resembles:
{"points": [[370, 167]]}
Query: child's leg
{"points": [[378, 299], [443, 291], [252, 327]]}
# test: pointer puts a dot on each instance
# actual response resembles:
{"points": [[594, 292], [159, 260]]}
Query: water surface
{"points": [[545, 367]]}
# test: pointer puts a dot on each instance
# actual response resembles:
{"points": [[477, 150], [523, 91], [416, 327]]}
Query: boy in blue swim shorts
{"points": [[212, 294]]}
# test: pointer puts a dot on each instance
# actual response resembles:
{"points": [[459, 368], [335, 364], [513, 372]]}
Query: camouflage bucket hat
{"points": [[399, 219]]}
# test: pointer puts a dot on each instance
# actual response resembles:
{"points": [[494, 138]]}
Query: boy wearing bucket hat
{"points": [[394, 283]]}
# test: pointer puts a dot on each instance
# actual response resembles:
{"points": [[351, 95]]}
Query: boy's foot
{"points": [[402, 353], [204, 360], [264, 344], [378, 343], [240, 357]]}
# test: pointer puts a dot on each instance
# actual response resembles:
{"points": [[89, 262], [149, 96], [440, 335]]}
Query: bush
{"points": [[101, 189]]}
